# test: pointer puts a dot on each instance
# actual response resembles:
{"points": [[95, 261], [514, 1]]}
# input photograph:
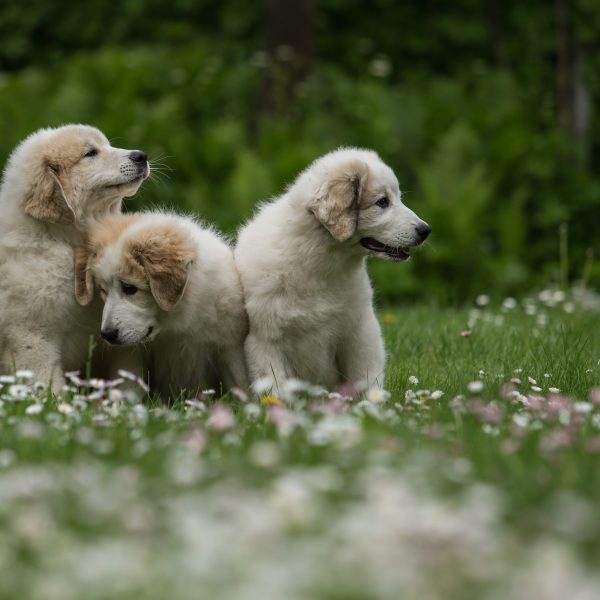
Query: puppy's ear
{"points": [[166, 260], [45, 199], [336, 204], [84, 282]]}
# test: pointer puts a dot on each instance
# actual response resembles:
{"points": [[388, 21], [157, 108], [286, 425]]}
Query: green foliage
{"points": [[471, 157]]}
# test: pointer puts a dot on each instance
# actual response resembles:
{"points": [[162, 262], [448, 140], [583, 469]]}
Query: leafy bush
{"points": [[492, 182]]}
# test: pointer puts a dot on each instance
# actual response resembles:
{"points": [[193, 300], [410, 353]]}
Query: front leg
{"points": [[361, 353], [232, 367], [266, 361], [32, 352]]}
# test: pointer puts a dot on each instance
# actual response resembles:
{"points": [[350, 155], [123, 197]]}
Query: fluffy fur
{"points": [[171, 285], [55, 184], [302, 264]]}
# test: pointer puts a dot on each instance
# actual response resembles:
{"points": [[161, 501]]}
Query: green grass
{"points": [[471, 494]]}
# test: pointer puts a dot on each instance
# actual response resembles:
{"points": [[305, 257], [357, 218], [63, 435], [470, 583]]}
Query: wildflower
{"points": [[34, 409], [127, 375], [594, 395], [378, 395], [488, 413], [582, 407], [262, 385], [221, 418], [285, 421], [18, 391], [7, 379], [481, 373], [465, 333], [268, 400], [532, 381], [536, 388], [482, 300], [521, 419], [410, 396], [475, 386], [553, 390], [252, 411], [436, 395], [24, 374], [457, 403], [239, 394], [197, 404], [64, 408], [115, 395], [264, 454], [509, 303], [413, 380], [143, 385]]}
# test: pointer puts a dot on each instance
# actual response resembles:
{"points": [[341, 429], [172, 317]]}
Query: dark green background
{"points": [[473, 104]]}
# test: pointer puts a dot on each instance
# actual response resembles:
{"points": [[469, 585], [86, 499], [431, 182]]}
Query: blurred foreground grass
{"points": [[476, 476]]}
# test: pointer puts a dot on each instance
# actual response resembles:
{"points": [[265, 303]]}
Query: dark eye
{"points": [[383, 202], [91, 152], [128, 289]]}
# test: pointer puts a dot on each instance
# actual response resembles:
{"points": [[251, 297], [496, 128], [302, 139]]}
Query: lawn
{"points": [[477, 475]]}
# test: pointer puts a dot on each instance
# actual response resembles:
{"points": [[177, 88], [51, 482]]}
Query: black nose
{"points": [[137, 156], [423, 231], [110, 334]]}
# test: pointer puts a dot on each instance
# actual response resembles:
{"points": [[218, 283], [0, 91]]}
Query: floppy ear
{"points": [[336, 205], [167, 264], [84, 282], [45, 200]]}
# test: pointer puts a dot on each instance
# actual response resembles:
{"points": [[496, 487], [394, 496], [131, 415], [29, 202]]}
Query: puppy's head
{"points": [[356, 197], [72, 174], [141, 270]]}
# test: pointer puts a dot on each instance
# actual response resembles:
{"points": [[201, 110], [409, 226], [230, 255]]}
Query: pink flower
{"points": [[594, 395], [220, 418], [466, 333], [487, 413]]}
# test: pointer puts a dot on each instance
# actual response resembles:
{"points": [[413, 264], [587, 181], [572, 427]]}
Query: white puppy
{"points": [[166, 280], [55, 184], [302, 264]]}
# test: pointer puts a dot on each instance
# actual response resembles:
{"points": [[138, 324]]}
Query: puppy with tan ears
{"points": [[56, 183], [171, 285], [302, 264]]}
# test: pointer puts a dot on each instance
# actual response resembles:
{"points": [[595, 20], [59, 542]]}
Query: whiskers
{"points": [[159, 169]]}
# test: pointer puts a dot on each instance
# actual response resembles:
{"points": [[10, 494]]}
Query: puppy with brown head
{"points": [[171, 285], [56, 183], [302, 264]]}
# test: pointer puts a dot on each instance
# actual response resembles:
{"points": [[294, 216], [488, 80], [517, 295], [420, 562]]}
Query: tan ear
{"points": [[336, 207], [166, 261], [84, 282], [45, 200]]}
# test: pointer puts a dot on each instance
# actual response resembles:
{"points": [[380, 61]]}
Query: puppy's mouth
{"points": [[136, 179], [150, 334], [398, 254]]}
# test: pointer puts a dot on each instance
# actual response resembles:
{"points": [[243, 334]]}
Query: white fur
{"points": [[41, 326], [200, 341], [308, 295]]}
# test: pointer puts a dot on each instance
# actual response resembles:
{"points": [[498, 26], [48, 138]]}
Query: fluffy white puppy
{"points": [[55, 184], [168, 281], [302, 264]]}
